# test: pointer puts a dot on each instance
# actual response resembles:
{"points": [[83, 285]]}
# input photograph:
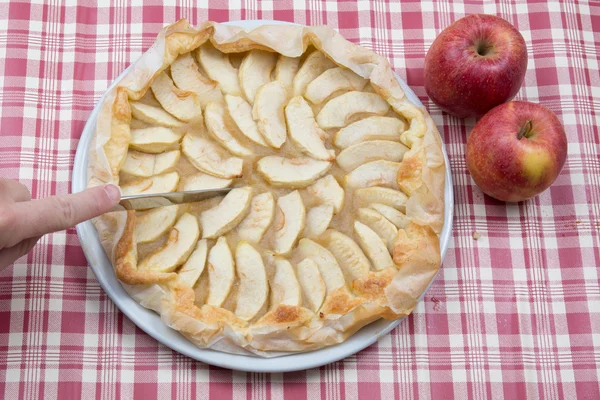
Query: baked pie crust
{"points": [[337, 206]]}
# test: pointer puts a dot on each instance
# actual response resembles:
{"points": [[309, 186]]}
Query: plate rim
{"points": [[151, 323]]}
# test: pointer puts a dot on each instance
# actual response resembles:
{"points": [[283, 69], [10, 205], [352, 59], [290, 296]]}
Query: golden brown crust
{"points": [[390, 293]]}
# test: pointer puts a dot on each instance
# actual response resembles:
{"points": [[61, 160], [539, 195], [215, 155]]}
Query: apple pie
{"points": [[337, 204]]}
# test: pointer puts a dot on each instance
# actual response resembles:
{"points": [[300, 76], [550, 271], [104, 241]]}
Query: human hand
{"points": [[23, 221]]}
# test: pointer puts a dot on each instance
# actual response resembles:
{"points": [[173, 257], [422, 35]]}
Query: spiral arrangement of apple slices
{"points": [[313, 154]]}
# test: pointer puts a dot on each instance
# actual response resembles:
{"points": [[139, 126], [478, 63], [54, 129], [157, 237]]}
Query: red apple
{"points": [[516, 151], [475, 64]]}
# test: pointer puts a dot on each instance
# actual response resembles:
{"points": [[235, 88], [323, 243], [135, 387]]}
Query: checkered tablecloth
{"points": [[514, 314]]}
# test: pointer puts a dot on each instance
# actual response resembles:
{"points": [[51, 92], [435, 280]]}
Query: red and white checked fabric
{"points": [[515, 314]]}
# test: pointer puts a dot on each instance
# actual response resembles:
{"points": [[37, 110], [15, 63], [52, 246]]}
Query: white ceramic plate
{"points": [[151, 323]]}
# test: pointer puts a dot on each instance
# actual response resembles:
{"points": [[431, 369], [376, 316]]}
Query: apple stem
{"points": [[525, 130]]}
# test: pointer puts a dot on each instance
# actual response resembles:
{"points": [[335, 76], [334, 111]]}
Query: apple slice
{"points": [[268, 113], [156, 139], [370, 128], [378, 223], [241, 113], [286, 69], [227, 214], [253, 227], [214, 116], [399, 219], [339, 111], [145, 165], [187, 76], [202, 181], [387, 196], [253, 289], [193, 267], [317, 220], [285, 288], [179, 246], [363, 152], [312, 284], [289, 221], [155, 184], [220, 273], [181, 104], [328, 266], [291, 172], [154, 115], [304, 131], [152, 224], [255, 71], [374, 173], [373, 246], [314, 65], [332, 81], [347, 253], [218, 68], [328, 191], [209, 158]]}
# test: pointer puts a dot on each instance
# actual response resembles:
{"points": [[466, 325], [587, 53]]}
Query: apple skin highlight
{"points": [[475, 64], [511, 169]]}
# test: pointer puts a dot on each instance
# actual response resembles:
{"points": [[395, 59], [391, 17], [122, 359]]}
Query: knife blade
{"points": [[154, 200]]}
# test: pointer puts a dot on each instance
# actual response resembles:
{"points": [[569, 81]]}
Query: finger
{"points": [[11, 254], [38, 217], [14, 190]]}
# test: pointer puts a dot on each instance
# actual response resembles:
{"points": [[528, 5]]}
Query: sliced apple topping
{"points": [[339, 111], [371, 128], [387, 196], [214, 116], [253, 227], [154, 115], [179, 246], [361, 153], [347, 253], [255, 71], [193, 267], [312, 284], [152, 224], [289, 221], [241, 113], [314, 65], [285, 288], [304, 131], [253, 289], [328, 266], [291, 172], [328, 191], [331, 81], [181, 104], [156, 139], [220, 273], [218, 68], [145, 165], [227, 214], [378, 223], [399, 219], [268, 113], [374, 173], [209, 158], [317, 220], [202, 181], [286, 69], [187, 76], [155, 184], [373, 246]]}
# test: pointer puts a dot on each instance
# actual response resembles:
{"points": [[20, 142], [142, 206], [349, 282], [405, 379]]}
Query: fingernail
{"points": [[113, 192]]}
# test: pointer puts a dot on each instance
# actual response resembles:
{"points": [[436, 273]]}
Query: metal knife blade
{"points": [[154, 200]]}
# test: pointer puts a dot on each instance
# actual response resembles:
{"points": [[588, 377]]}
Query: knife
{"points": [[154, 200]]}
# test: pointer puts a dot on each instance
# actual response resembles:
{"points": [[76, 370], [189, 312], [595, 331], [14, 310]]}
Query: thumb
{"points": [[38, 217]]}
